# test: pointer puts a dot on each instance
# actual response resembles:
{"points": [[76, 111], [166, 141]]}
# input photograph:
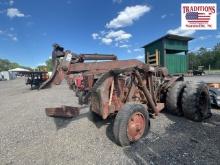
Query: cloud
{"points": [[29, 24], [125, 18], [69, 2], [181, 32], [140, 57], [108, 37], [11, 2], [12, 37], [129, 51], [119, 35], [106, 41], [42, 64], [163, 16], [124, 46], [13, 12], [9, 35], [117, 1], [204, 37], [11, 29], [95, 36], [195, 49], [137, 50], [128, 16]]}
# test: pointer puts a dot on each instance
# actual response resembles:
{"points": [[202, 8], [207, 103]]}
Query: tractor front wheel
{"points": [[131, 124]]}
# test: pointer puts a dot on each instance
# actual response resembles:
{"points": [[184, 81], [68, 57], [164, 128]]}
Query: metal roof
{"points": [[171, 36]]}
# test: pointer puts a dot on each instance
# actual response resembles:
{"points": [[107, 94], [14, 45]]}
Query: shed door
{"points": [[176, 63]]}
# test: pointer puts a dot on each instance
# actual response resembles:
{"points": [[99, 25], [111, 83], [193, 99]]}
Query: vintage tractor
{"points": [[200, 71], [133, 91], [36, 78]]}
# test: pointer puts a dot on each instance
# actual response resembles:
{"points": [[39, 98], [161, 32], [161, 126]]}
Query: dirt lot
{"points": [[28, 136]]}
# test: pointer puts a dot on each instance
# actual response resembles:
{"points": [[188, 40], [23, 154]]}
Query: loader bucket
{"points": [[55, 78], [64, 111]]}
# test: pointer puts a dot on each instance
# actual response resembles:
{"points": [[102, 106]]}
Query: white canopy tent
{"points": [[19, 70]]}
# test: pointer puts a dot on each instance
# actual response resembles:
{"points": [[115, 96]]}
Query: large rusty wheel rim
{"points": [[136, 126]]}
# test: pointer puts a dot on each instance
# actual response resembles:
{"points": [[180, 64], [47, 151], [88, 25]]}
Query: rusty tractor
{"points": [[133, 91], [63, 60]]}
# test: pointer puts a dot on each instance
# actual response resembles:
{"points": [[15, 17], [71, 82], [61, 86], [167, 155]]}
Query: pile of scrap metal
{"points": [[36, 78]]}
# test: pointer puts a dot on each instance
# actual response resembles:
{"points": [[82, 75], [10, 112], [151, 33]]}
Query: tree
{"points": [[42, 68], [205, 58], [201, 51], [6, 65], [217, 47], [49, 65], [194, 61]]}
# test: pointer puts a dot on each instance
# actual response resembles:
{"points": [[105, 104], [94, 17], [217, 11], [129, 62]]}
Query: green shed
{"points": [[169, 51]]}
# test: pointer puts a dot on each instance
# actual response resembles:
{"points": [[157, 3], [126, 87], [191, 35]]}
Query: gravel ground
{"points": [[204, 78], [28, 136]]}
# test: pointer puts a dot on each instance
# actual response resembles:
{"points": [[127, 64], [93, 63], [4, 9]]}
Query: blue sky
{"points": [[28, 28]]}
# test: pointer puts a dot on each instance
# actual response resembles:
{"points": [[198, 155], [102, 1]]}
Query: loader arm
{"points": [[64, 60]]}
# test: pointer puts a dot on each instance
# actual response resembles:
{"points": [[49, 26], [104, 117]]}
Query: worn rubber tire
{"points": [[196, 102], [121, 122], [174, 98], [95, 117]]}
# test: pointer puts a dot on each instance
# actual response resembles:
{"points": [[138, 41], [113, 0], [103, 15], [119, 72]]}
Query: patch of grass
{"points": [[217, 71]]}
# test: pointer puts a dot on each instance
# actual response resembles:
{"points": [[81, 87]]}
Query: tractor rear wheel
{"points": [[196, 102], [173, 98], [131, 124]]}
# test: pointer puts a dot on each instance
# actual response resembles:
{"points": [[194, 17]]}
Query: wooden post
{"points": [[164, 58], [111, 93], [209, 68], [157, 57], [148, 54]]}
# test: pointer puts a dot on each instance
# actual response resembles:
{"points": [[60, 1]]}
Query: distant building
{"points": [[6, 75], [169, 51]]}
